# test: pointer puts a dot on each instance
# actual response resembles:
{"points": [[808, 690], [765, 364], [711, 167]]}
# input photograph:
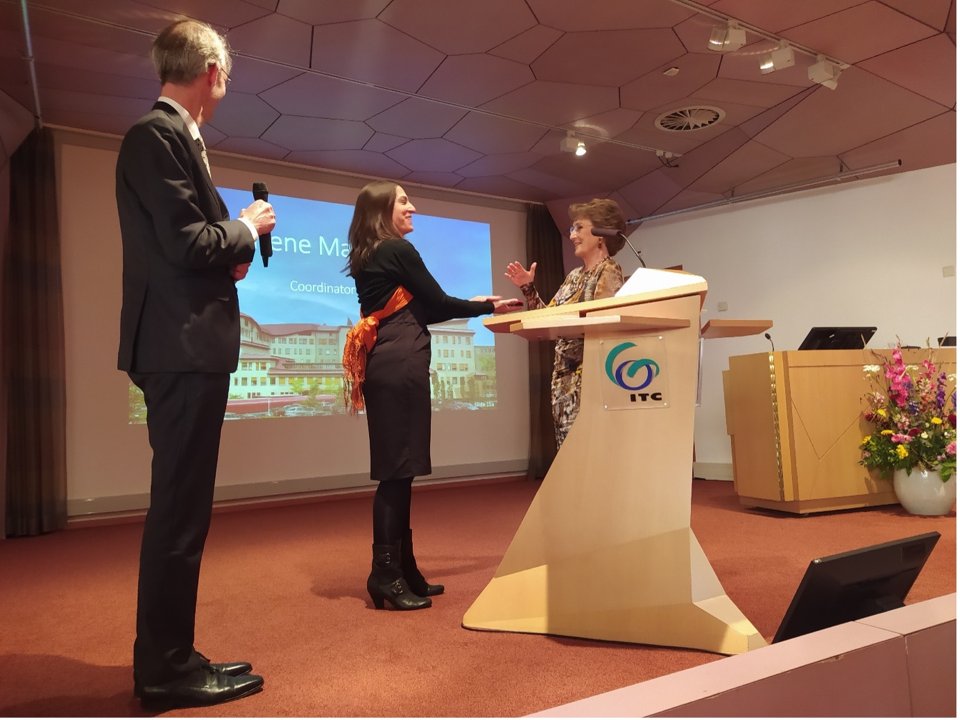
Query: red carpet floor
{"points": [[284, 587]]}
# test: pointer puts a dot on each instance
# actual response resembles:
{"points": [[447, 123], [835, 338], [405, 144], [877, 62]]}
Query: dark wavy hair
{"points": [[372, 223], [603, 213]]}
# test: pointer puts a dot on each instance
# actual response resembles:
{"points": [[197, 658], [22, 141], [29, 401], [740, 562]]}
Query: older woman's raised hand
{"points": [[518, 275]]}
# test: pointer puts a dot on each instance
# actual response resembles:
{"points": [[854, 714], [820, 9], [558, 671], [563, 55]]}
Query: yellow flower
{"points": [[901, 452], [886, 432], [865, 440], [881, 412], [936, 421]]}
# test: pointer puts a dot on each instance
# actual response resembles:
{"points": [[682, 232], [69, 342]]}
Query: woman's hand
{"points": [[518, 276], [508, 305]]}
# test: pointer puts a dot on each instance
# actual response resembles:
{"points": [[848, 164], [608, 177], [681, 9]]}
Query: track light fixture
{"points": [[778, 59], [727, 38], [728, 34], [824, 72], [573, 145]]}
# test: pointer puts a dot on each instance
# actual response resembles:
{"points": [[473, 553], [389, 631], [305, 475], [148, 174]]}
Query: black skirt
{"points": [[396, 392]]}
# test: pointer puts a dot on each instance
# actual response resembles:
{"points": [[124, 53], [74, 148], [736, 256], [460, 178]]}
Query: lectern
{"points": [[605, 550]]}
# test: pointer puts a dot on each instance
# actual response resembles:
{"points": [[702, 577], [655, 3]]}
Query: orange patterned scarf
{"points": [[360, 341]]}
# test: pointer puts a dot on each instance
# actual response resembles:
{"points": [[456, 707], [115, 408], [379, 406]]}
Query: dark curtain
{"points": [[4, 234], [32, 346], [544, 246]]}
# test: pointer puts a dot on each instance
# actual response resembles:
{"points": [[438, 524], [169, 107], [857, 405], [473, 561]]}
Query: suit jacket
{"points": [[180, 311]]}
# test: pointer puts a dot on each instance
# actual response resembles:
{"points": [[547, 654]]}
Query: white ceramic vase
{"points": [[923, 492]]}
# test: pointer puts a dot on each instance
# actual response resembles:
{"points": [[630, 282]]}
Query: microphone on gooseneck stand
{"points": [[767, 336], [611, 232], [260, 192]]}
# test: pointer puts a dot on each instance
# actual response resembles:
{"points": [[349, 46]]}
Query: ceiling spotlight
{"points": [[824, 72], [571, 144], [777, 59], [727, 38]]}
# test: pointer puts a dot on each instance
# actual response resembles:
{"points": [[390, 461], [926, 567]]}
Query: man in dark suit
{"points": [[179, 342]]}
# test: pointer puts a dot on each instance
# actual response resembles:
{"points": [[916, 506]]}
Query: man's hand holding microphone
{"points": [[261, 216]]}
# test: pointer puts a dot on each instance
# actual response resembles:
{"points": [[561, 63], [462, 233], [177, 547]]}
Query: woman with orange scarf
{"points": [[387, 370]]}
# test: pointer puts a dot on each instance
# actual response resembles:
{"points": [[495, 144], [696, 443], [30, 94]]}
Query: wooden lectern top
{"points": [[558, 326], [505, 323], [734, 328]]}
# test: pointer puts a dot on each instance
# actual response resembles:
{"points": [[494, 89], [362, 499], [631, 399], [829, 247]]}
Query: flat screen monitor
{"points": [[855, 584], [837, 338], [947, 341]]}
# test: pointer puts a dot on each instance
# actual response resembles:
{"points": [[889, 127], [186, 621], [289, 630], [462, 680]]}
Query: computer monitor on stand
{"points": [[837, 338]]}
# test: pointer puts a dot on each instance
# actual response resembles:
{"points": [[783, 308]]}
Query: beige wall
{"points": [[871, 252], [108, 459]]}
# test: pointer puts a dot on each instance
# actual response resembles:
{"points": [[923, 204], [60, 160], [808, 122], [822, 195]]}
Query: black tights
{"points": [[391, 511]]}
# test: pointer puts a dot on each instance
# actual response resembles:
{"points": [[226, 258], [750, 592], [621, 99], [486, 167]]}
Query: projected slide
{"points": [[295, 314]]}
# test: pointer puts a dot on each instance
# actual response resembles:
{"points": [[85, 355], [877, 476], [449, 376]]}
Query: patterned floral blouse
{"points": [[581, 285]]}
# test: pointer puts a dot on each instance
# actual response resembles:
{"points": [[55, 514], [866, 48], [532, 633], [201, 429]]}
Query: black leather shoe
{"points": [[234, 669], [204, 686]]}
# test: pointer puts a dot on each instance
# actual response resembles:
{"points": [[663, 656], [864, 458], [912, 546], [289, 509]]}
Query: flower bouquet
{"points": [[913, 411]]}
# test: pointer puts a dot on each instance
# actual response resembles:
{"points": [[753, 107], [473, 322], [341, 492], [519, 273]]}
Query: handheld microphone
{"points": [[767, 336], [611, 232], [260, 192]]}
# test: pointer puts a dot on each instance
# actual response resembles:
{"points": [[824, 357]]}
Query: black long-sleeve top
{"points": [[396, 262]]}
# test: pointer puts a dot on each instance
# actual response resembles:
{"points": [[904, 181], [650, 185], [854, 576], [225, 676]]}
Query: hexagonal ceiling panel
{"points": [[478, 96]]}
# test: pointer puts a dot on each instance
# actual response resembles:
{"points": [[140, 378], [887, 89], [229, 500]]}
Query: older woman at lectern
{"points": [[600, 277]]}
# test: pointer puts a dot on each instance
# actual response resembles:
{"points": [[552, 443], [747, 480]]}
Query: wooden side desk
{"points": [[794, 420]]}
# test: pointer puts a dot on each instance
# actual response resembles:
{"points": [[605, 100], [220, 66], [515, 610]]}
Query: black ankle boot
{"points": [[386, 581], [415, 579]]}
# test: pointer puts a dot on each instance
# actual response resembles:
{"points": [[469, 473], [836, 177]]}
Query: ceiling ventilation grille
{"points": [[689, 119]]}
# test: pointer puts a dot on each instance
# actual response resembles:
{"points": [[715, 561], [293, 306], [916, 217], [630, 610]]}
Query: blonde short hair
{"points": [[183, 51]]}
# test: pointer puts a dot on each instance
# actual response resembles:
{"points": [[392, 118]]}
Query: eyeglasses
{"points": [[577, 227], [226, 75]]}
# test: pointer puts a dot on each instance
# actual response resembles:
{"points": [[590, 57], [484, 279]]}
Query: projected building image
{"points": [[294, 369]]}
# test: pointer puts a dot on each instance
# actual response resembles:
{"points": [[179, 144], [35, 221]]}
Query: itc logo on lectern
{"points": [[632, 374]]}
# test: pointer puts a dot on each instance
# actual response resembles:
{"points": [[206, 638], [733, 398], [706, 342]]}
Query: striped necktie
{"points": [[203, 155]]}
